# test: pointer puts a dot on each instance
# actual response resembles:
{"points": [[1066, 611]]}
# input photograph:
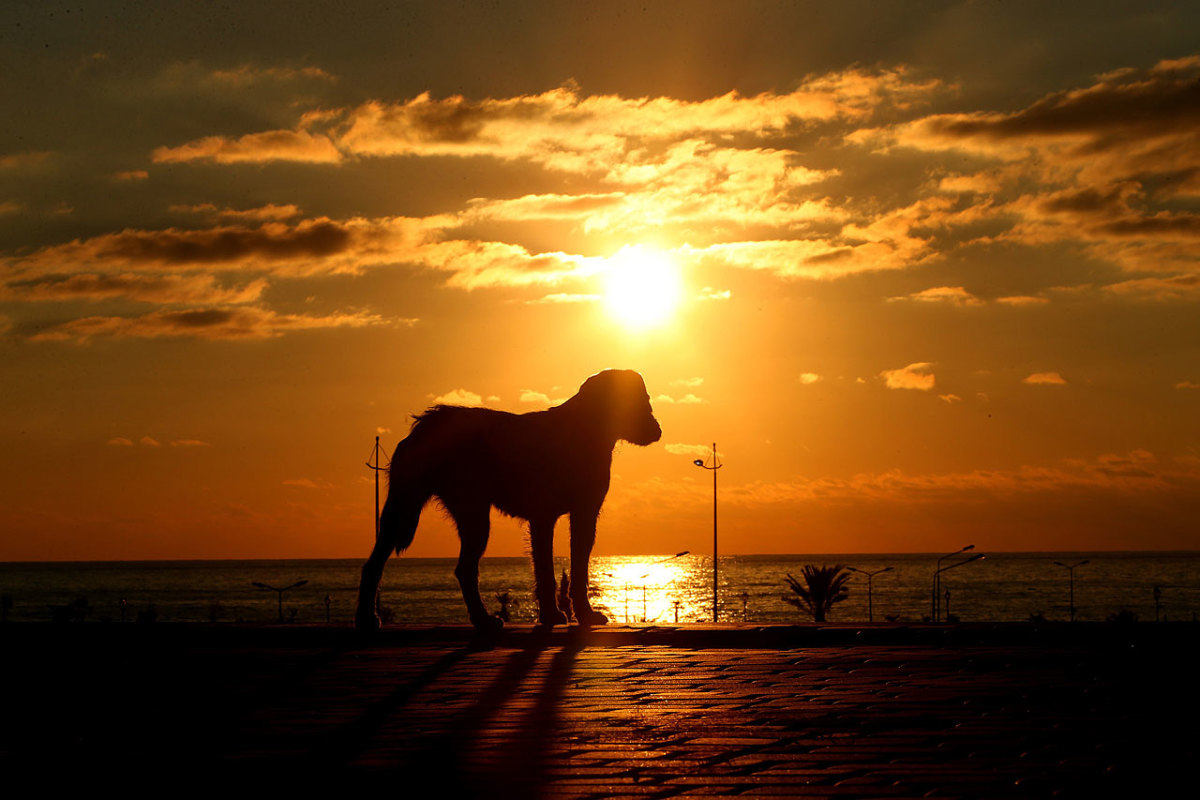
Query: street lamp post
{"points": [[937, 582], [937, 579], [716, 465], [280, 592], [1070, 568], [870, 577]]}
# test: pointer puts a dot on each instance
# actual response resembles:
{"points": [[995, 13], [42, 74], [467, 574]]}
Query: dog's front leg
{"points": [[583, 536], [541, 547]]}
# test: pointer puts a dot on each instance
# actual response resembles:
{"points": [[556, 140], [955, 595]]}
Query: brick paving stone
{"points": [[603, 715]]}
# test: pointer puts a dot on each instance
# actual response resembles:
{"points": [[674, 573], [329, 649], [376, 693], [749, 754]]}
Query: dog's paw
{"points": [[552, 617], [366, 622], [588, 618]]}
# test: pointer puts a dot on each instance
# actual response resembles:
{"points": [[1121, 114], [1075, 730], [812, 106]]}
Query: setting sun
{"points": [[642, 287]]}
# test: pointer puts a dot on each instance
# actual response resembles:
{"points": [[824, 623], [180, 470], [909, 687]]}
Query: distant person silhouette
{"points": [[564, 596], [537, 466]]}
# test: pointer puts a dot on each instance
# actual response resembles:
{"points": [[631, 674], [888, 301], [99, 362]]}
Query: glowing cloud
{"points": [[458, 397], [1045, 379], [914, 376], [951, 295]]}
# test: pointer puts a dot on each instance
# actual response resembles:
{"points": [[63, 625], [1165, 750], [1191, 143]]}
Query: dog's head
{"points": [[618, 397]]}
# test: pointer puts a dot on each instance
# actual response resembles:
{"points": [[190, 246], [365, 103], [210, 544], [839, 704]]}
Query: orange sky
{"points": [[926, 278]]}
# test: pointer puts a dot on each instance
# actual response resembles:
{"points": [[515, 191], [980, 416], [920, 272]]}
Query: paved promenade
{"points": [[987, 711]]}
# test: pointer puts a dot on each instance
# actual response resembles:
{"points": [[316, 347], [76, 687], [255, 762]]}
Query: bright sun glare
{"points": [[642, 287]]}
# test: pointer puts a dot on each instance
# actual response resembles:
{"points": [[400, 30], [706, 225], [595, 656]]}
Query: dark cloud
{"points": [[191, 289], [244, 322], [1159, 225], [1085, 200], [1119, 106], [172, 247]]}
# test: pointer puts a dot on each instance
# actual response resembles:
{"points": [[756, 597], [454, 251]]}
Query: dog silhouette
{"points": [[537, 467]]}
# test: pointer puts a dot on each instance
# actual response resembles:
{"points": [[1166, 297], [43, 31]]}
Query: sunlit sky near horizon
{"points": [[927, 272]]}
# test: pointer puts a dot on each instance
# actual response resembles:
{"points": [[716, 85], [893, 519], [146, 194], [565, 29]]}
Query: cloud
{"points": [[120, 441], [687, 400], [149, 442], [814, 259], [809, 378], [166, 289], [475, 264], [709, 293], [244, 322], [1022, 300], [564, 297], [914, 376], [700, 450], [562, 129], [313, 246], [266, 213], [279, 145], [248, 74], [530, 396], [703, 165], [1130, 119], [1175, 287], [131, 175], [189, 443], [458, 397], [195, 77], [10, 207], [950, 398], [309, 247], [689, 383], [1104, 165], [1187, 385], [30, 158], [1044, 379], [951, 295]]}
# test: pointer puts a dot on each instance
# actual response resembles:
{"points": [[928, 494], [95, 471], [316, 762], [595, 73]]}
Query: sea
{"points": [[637, 590]]}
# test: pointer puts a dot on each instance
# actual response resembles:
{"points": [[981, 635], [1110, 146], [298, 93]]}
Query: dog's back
{"points": [[519, 463]]}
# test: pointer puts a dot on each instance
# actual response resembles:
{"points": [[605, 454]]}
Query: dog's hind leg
{"points": [[583, 536], [541, 548], [397, 526], [473, 529]]}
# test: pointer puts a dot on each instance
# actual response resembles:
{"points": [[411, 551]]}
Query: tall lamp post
{"points": [[280, 592], [936, 604], [870, 577], [716, 465], [1070, 568], [937, 579]]}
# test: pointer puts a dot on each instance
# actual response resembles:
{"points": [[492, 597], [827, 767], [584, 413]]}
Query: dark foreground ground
{"points": [[883, 711]]}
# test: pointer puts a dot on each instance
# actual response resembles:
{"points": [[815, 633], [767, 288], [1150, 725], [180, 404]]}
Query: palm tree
{"points": [[822, 587]]}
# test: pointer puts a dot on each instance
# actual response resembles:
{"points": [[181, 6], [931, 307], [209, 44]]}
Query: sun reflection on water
{"points": [[649, 589]]}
